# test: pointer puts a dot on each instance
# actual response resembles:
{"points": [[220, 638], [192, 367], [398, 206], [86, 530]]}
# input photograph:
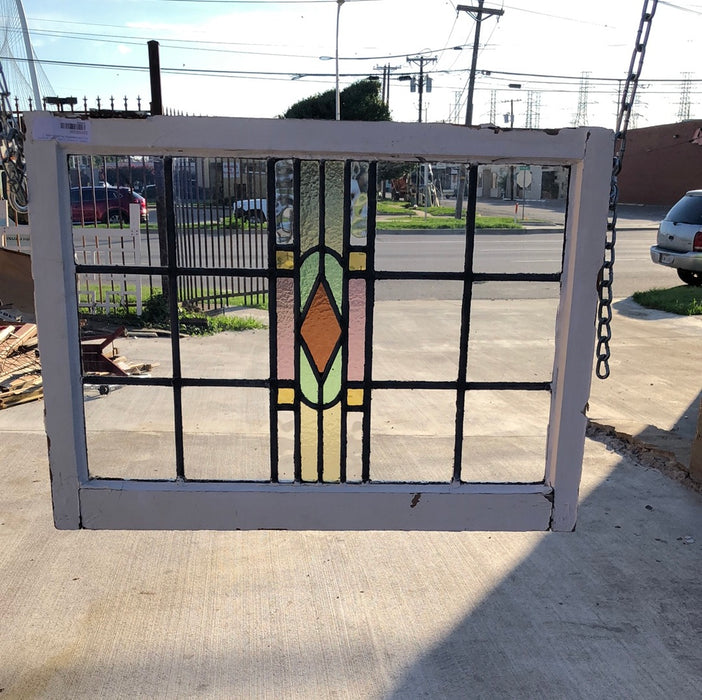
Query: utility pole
{"points": [[479, 14], [387, 68], [422, 82]]}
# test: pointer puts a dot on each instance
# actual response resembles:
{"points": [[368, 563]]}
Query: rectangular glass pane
{"points": [[230, 341], [105, 192], [226, 435], [359, 203], [124, 326], [354, 446], [141, 416], [309, 204], [412, 435], [334, 205], [284, 202], [286, 446], [416, 329], [504, 436], [512, 328], [221, 211]]}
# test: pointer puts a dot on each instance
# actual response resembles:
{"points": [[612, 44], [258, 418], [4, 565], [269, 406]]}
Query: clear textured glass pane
{"points": [[284, 202], [286, 446], [359, 203], [309, 204], [354, 446], [334, 205]]}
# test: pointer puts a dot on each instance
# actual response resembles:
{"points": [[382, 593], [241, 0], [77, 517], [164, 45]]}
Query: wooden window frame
{"points": [[82, 502]]}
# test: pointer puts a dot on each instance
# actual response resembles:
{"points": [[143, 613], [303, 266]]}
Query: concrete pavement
{"points": [[611, 610]]}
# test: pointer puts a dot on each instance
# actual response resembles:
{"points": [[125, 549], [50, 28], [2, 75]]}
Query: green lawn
{"points": [[156, 313], [444, 222], [684, 300]]}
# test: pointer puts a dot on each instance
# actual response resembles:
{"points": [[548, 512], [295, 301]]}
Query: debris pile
{"points": [[20, 369], [20, 366]]}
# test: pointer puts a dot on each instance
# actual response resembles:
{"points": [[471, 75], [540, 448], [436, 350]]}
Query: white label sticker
{"points": [[61, 129]]}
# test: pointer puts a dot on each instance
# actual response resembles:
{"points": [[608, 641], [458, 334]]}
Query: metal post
{"points": [[155, 78], [339, 3]]}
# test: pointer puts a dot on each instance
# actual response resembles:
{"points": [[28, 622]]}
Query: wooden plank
{"points": [[575, 335], [317, 138], [132, 506], [17, 339], [16, 283], [5, 332]]}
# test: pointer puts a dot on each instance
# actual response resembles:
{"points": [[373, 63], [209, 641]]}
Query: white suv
{"points": [[679, 242]]}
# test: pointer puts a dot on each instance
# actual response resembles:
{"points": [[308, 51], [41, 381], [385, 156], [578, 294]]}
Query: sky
{"points": [[255, 59]]}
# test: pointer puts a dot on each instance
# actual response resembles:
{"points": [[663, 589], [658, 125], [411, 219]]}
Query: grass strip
{"points": [[441, 222], [684, 300]]}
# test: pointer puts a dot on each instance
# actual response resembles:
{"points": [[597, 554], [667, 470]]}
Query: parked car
{"points": [[253, 210], [679, 243], [105, 204], [149, 193]]}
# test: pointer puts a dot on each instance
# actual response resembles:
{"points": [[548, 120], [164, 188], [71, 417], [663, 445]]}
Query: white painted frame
{"points": [[81, 502]]}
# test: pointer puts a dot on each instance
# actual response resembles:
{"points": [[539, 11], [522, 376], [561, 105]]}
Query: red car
{"points": [[105, 205]]}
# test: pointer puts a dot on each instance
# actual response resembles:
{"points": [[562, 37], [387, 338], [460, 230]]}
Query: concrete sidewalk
{"points": [[611, 610]]}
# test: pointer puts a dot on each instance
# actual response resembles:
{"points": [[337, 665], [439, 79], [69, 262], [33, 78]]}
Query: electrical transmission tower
{"points": [[580, 118], [493, 107], [533, 109], [684, 104]]}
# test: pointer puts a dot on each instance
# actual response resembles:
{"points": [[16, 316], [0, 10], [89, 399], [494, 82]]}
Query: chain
{"points": [[606, 275], [12, 151]]}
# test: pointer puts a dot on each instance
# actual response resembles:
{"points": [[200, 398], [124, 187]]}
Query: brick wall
{"points": [[661, 163]]}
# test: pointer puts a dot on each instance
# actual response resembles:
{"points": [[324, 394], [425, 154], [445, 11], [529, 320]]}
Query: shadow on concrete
{"points": [[611, 610], [631, 309]]}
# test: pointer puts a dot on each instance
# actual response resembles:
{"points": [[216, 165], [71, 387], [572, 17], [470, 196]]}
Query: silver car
{"points": [[679, 242]]}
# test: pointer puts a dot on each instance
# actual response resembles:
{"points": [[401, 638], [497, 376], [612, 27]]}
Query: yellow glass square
{"points": [[286, 396], [354, 397], [284, 259], [357, 261]]}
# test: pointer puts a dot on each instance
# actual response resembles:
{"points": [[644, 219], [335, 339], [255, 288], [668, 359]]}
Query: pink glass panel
{"points": [[357, 328], [285, 327]]}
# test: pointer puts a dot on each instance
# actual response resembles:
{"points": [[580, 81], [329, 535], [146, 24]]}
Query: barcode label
{"points": [[73, 126], [46, 127]]}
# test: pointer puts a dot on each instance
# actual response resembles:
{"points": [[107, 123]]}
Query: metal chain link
{"points": [[606, 275]]}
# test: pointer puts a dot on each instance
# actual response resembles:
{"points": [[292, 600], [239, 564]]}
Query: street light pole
{"points": [[339, 3]]}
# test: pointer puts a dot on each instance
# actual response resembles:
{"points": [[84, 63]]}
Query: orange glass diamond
{"points": [[320, 329]]}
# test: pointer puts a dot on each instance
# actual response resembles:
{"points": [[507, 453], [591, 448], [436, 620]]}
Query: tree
{"points": [[359, 102]]}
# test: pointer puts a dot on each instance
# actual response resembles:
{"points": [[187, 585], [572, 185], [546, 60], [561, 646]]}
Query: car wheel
{"points": [[116, 217], [690, 277], [256, 217]]}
